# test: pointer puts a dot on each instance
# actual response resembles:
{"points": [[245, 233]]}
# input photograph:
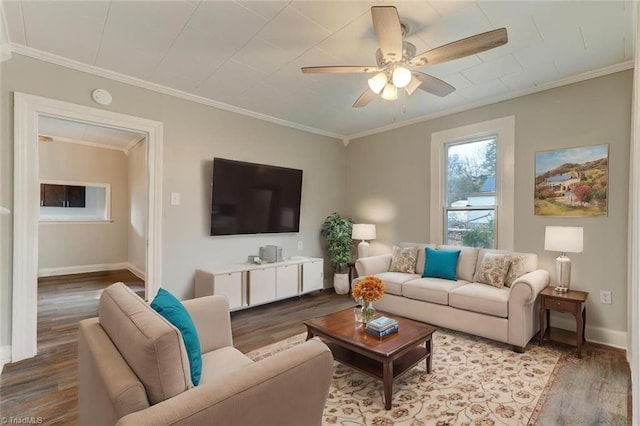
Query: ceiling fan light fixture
{"points": [[390, 92], [378, 82], [401, 76], [413, 85]]}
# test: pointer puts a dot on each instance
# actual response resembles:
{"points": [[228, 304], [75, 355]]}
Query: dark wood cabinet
{"points": [[52, 195], [75, 195]]}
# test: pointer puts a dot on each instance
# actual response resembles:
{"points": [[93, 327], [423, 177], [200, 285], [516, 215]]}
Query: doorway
{"points": [[28, 110], [93, 199]]}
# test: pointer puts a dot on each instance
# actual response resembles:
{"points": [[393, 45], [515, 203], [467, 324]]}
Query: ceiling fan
{"points": [[396, 59]]}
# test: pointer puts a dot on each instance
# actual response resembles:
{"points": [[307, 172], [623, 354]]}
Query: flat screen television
{"points": [[250, 198]]}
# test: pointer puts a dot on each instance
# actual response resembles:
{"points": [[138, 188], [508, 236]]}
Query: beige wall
{"points": [[386, 175], [92, 243], [137, 223], [388, 181], [193, 135]]}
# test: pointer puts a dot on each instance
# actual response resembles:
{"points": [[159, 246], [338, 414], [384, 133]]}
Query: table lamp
{"points": [[363, 232], [565, 239]]}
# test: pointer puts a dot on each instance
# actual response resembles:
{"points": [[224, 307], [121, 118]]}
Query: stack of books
{"points": [[382, 326]]}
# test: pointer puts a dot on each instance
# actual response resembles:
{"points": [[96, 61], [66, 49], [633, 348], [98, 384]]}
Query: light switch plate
{"points": [[175, 198]]}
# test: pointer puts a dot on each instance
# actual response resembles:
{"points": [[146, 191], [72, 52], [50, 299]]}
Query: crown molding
{"points": [[112, 75], [79, 66], [85, 143], [623, 66], [133, 143]]}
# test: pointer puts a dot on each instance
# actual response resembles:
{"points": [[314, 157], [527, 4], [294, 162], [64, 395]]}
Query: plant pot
{"points": [[341, 283]]}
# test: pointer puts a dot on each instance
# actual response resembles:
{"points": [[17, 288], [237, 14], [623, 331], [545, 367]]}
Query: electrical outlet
{"points": [[605, 297], [299, 245]]}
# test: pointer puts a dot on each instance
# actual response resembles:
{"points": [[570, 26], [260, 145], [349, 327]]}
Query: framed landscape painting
{"points": [[572, 182]]}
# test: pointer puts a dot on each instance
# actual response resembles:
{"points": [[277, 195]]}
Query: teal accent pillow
{"points": [[173, 311], [441, 264]]}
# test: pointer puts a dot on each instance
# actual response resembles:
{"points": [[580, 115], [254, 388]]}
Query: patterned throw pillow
{"points": [[404, 259], [493, 269], [516, 270]]}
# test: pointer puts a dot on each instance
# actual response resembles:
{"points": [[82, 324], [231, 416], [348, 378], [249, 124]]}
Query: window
{"points": [[472, 185], [470, 206], [74, 201]]}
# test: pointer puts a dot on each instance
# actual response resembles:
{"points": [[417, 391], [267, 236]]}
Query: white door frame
{"points": [[26, 205]]}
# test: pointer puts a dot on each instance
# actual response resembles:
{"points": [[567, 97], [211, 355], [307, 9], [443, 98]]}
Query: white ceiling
{"points": [[75, 132], [246, 55]]}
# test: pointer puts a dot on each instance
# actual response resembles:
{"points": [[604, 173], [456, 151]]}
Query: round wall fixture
{"points": [[102, 96]]}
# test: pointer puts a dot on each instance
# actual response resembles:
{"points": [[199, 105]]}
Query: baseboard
{"points": [[135, 271], [81, 269], [605, 336], [5, 356]]}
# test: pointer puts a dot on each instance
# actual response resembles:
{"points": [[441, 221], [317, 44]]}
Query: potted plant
{"points": [[337, 230]]}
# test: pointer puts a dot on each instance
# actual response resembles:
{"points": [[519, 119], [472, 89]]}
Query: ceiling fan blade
{"points": [[461, 48], [386, 24], [338, 69], [433, 85], [366, 97]]}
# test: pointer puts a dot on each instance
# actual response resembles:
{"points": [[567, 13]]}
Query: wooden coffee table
{"points": [[382, 358]]}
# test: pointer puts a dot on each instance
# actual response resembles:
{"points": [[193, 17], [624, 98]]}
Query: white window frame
{"points": [[107, 202], [504, 131]]}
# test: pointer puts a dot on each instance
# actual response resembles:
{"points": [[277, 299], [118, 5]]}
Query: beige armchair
{"points": [[133, 370]]}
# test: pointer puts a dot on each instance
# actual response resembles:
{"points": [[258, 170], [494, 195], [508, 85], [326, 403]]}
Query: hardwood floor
{"points": [[46, 386]]}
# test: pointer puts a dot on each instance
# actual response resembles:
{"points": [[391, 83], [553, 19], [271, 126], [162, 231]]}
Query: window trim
{"points": [[66, 219], [504, 130]]}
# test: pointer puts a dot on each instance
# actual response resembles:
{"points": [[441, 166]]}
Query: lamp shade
{"points": [[565, 239], [363, 231], [390, 92], [412, 86], [377, 82], [401, 77]]}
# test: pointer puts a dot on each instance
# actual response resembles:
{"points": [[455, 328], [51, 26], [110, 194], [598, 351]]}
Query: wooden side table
{"points": [[572, 302]]}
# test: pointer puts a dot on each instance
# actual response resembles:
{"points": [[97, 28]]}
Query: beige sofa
{"points": [[133, 370], [505, 314]]}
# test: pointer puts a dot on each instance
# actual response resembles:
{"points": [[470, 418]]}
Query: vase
{"points": [[368, 312]]}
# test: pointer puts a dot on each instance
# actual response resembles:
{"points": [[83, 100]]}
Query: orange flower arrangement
{"points": [[369, 289]]}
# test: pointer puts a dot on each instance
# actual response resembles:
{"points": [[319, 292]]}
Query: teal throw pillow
{"points": [[173, 311], [441, 264]]}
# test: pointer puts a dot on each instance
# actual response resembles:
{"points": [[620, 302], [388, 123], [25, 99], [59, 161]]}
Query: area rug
{"points": [[474, 381]]}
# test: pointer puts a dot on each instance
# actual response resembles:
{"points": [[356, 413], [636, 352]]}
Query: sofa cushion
{"points": [[151, 346], [434, 290], [441, 264], [403, 259], [516, 269], [466, 262], [172, 310], [493, 269], [421, 254], [393, 281], [481, 298], [221, 362]]}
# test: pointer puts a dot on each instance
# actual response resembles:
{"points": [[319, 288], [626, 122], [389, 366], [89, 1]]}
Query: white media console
{"points": [[249, 284]]}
